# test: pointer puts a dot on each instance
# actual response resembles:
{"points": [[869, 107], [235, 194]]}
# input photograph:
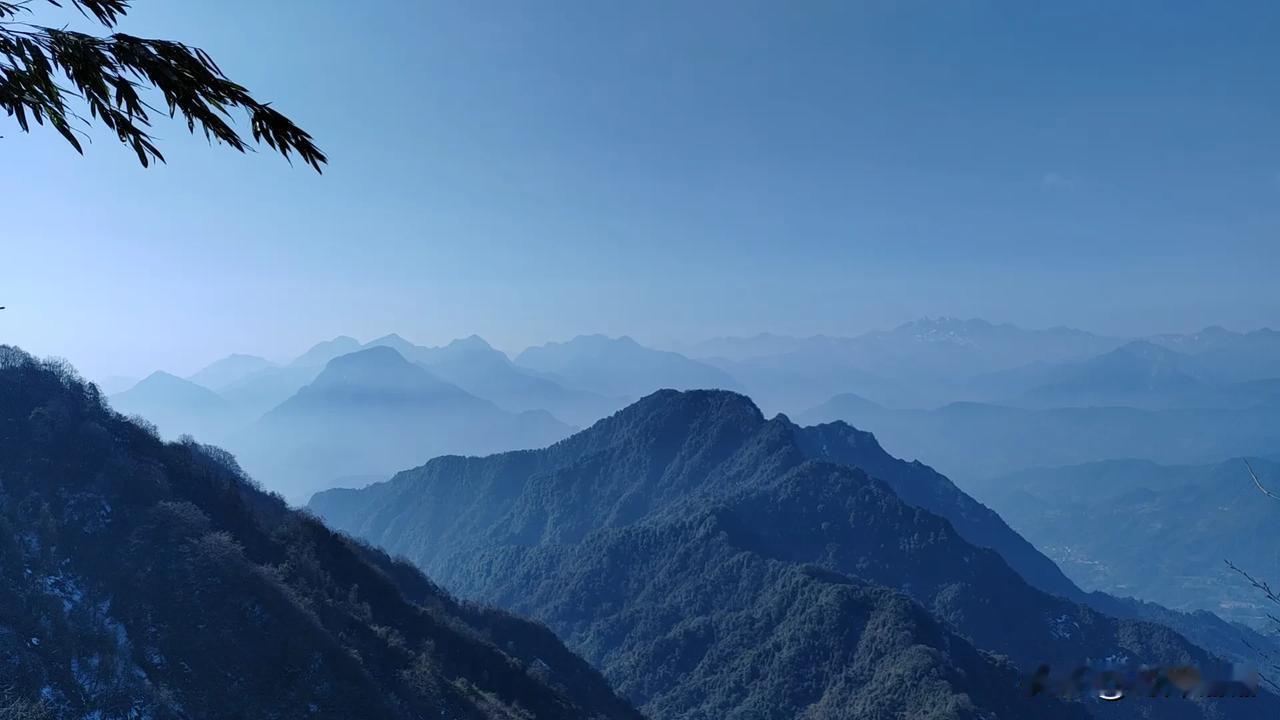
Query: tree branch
{"points": [[1254, 475], [107, 74]]}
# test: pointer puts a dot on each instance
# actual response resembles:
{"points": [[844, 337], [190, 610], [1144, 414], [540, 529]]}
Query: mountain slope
{"points": [[608, 536], [922, 486], [144, 579], [621, 367], [371, 412]]}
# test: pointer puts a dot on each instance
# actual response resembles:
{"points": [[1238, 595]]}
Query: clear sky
{"points": [[671, 170]]}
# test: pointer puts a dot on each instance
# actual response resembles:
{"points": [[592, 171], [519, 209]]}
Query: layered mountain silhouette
{"points": [[687, 534], [152, 580], [261, 391], [1227, 356], [371, 412], [176, 406], [321, 353], [621, 367], [230, 370], [1138, 374], [256, 392], [475, 366], [923, 363], [933, 362], [1160, 532], [962, 367]]}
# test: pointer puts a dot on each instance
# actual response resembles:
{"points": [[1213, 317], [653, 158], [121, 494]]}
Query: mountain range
{"points": [[373, 412], [621, 367], [715, 563], [974, 442], [936, 361], [144, 579], [472, 364], [1016, 398]]}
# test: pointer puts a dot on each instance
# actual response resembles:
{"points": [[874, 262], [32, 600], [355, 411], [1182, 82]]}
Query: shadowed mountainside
{"points": [[145, 579], [619, 538]]}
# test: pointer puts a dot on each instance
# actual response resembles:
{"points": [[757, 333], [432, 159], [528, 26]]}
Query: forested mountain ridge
{"points": [[922, 486], [613, 535], [147, 579]]}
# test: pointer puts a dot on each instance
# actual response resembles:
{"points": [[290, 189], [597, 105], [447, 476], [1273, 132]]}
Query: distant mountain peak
{"points": [[950, 330], [656, 414], [620, 367], [378, 369], [1146, 349], [221, 373], [161, 381], [389, 339], [323, 352], [597, 341], [380, 366], [161, 376], [945, 322], [393, 340], [471, 342], [708, 401], [382, 354]]}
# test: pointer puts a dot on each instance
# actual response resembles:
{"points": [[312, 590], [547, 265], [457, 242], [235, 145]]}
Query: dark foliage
{"points": [[145, 579], [43, 68]]}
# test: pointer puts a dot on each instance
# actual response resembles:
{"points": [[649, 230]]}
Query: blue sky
{"points": [[531, 171]]}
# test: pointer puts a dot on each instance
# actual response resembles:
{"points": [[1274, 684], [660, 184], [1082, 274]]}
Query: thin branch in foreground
{"points": [[1254, 475], [1261, 585]]}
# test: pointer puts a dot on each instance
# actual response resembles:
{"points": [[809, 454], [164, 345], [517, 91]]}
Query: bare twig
{"points": [[1261, 585], [1254, 475]]}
